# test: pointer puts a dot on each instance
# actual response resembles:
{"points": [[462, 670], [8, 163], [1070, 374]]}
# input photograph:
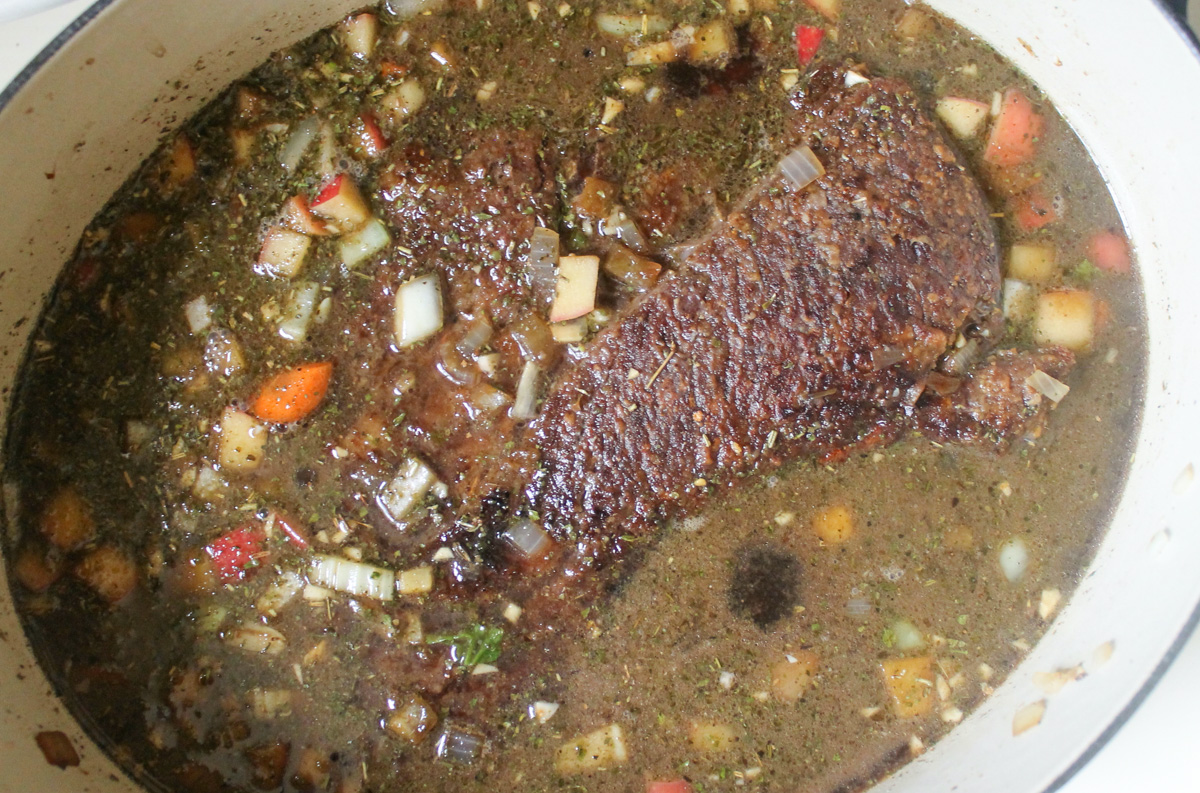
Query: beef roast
{"points": [[808, 323]]}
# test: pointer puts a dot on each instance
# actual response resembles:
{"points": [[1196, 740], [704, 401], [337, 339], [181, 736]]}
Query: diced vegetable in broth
{"points": [[411, 419]]}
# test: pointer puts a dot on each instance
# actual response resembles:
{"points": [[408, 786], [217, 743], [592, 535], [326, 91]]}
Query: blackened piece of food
{"points": [[808, 323], [995, 404], [765, 584]]}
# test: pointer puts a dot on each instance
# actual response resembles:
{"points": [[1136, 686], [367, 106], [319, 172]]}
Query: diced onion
{"points": [[524, 407], [620, 225], [477, 333], [485, 398], [413, 480], [260, 639], [630, 25], [458, 745], [364, 243], [543, 264], [1014, 559], [542, 711], [1047, 386], [268, 703], [858, 607], [279, 594], [297, 143], [353, 578], [908, 636], [528, 538], [296, 316], [1019, 299], [418, 310], [854, 78], [801, 167], [199, 314]]}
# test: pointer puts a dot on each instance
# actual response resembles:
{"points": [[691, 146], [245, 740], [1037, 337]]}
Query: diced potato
{"points": [[1067, 318], [1019, 300], [36, 570], [242, 441], [909, 683], [575, 291], [791, 679], [242, 142], [914, 24], [417, 581], [830, 9], [1036, 264], [440, 53], [603, 748], [712, 43], [109, 572], [67, 519], [964, 117], [612, 109], [403, 101], [630, 25], [283, 252], [651, 54], [180, 165], [738, 8], [412, 720], [833, 524], [223, 354], [359, 33], [712, 737], [634, 271]]}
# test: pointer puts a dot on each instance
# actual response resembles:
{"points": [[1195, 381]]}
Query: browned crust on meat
{"points": [[764, 347]]}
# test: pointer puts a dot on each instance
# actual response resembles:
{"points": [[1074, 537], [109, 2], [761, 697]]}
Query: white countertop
{"points": [[1152, 752]]}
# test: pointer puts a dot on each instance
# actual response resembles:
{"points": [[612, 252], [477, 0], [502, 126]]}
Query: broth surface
{"points": [[170, 587]]}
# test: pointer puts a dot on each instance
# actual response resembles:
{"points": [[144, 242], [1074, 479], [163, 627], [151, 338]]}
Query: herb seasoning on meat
{"points": [[516, 396]]}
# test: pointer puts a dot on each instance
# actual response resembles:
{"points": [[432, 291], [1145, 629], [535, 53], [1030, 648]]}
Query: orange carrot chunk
{"points": [[1109, 251], [1014, 136], [292, 395]]}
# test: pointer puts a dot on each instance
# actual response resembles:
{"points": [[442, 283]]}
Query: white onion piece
{"points": [[297, 314], [854, 78], [543, 711], [279, 594], [858, 607], [477, 333], [1014, 559], [268, 703], [418, 310], [630, 25], [413, 480], [485, 398], [908, 637], [459, 745], [364, 243], [1019, 299], [199, 314], [260, 639], [543, 263], [530, 539], [297, 143], [1047, 386], [524, 407], [620, 225], [353, 578], [801, 167]]}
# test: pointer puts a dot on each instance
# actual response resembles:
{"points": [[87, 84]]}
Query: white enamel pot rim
{"points": [[1126, 76]]}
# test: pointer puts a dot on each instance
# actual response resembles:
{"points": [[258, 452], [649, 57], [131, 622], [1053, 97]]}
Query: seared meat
{"points": [[807, 324]]}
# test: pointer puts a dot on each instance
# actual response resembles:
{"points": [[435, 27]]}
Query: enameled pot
{"points": [[93, 105]]}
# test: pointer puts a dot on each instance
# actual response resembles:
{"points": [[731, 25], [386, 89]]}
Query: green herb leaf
{"points": [[478, 644]]}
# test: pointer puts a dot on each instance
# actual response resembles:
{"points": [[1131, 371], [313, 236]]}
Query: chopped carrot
{"points": [[808, 39], [673, 786], [293, 394], [392, 70], [1109, 251], [1033, 209], [1015, 133]]}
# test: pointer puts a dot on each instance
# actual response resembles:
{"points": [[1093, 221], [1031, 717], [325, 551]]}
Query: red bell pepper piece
{"points": [[236, 554], [808, 39]]}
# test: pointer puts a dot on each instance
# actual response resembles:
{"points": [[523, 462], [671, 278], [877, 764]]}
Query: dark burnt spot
{"points": [[765, 584]]}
